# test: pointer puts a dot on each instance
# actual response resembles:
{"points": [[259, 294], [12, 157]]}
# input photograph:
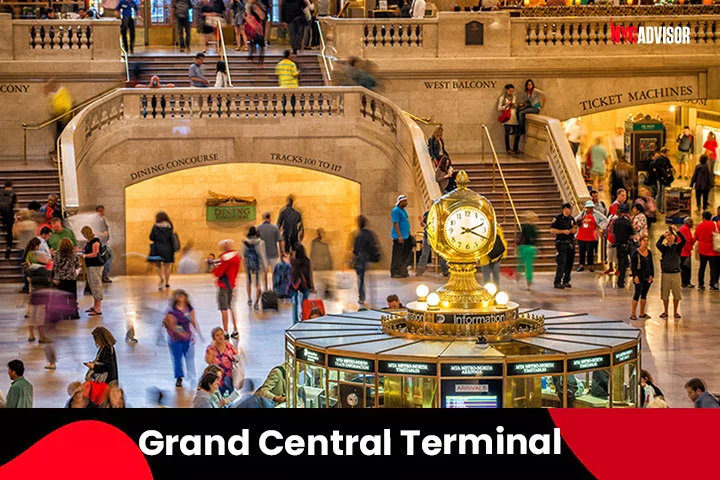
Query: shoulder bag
{"points": [[716, 239]]}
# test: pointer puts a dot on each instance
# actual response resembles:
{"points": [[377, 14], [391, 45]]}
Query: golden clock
{"points": [[461, 228]]}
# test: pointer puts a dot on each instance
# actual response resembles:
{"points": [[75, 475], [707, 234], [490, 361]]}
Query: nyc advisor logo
{"points": [[658, 35]]}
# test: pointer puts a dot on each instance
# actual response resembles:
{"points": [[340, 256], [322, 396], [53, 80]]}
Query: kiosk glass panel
{"points": [[534, 392], [409, 392], [625, 386], [310, 385]]}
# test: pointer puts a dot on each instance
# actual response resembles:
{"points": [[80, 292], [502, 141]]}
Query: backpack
{"points": [[281, 279], [6, 201], [252, 260], [103, 255]]}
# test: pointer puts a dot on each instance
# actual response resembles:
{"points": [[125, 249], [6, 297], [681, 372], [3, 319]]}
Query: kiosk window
{"points": [[409, 392], [625, 385], [471, 393], [310, 385], [593, 389], [537, 392]]}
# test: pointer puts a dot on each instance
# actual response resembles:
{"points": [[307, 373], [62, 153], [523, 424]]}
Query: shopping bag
{"points": [[312, 308]]}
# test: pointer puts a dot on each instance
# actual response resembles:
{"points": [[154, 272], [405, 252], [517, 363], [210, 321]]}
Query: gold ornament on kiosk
{"points": [[462, 229]]}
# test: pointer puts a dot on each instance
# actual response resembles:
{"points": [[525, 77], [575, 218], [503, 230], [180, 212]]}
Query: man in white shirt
{"points": [[575, 131], [418, 9], [44, 249]]}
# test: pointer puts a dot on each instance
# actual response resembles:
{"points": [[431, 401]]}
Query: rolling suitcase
{"points": [[269, 301]]}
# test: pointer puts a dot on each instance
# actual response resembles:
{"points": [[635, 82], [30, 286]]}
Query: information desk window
{"points": [[409, 392], [625, 385], [534, 392], [351, 389], [310, 384], [591, 389], [471, 393]]}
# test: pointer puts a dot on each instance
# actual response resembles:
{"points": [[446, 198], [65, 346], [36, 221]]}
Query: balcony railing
{"points": [[366, 114], [503, 36], [59, 40]]}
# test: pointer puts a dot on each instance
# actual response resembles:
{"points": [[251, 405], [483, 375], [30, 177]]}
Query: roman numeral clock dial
{"points": [[466, 229]]}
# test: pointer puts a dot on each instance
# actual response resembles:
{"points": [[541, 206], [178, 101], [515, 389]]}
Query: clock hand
{"points": [[470, 230]]}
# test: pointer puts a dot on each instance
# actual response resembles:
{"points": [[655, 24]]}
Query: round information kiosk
{"points": [[465, 345]]}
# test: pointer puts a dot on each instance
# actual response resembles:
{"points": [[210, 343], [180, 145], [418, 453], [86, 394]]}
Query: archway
{"points": [[325, 200]]}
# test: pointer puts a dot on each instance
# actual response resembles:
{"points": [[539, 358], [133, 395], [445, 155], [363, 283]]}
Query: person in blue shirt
{"points": [[402, 244], [126, 7]]}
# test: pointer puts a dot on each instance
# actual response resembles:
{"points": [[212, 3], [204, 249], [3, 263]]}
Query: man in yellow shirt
{"points": [[287, 72]]}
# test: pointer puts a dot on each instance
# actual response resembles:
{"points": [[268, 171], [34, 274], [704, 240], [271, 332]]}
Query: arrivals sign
{"points": [[471, 369]]}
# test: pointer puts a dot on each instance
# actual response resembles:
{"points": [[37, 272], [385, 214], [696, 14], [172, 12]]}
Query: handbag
{"points": [[95, 391], [716, 239], [505, 115]]}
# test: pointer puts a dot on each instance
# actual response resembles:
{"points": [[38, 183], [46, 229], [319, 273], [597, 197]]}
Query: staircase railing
{"points": [[68, 114], [124, 56], [224, 52], [507, 197], [327, 63], [555, 157]]}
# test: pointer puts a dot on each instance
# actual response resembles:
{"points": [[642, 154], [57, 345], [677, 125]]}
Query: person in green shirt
{"points": [[20, 394], [58, 233], [527, 249]]}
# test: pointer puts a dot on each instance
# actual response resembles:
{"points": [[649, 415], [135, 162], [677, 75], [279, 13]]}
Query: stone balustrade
{"points": [[362, 114], [58, 39], [502, 36]]}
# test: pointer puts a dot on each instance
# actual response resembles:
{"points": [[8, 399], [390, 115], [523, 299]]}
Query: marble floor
{"points": [[673, 350]]}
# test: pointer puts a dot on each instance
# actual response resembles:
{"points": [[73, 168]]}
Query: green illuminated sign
{"points": [[230, 213]]}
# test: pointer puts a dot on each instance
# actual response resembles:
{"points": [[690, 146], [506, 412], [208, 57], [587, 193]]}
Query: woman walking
{"points": [[65, 271], [163, 248], [651, 396], [238, 22], [94, 264], [527, 247], [221, 352], [643, 271], [700, 181], [179, 322], [255, 262], [302, 279]]}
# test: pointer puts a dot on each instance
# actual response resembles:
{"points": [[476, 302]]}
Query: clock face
{"points": [[466, 229]]}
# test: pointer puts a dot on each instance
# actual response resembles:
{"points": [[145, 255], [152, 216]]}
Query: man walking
{"points": [[599, 156], [226, 272], [195, 72], [686, 147], [400, 234], [365, 251], [126, 8], [670, 280], [103, 233], [621, 197], [290, 224], [270, 234], [696, 393], [287, 72], [564, 228], [8, 201], [20, 394], [623, 232], [181, 14], [293, 16]]}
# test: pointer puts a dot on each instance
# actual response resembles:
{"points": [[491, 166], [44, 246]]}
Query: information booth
{"points": [[349, 361]]}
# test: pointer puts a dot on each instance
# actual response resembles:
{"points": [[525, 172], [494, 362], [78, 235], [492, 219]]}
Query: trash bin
{"points": [[678, 202]]}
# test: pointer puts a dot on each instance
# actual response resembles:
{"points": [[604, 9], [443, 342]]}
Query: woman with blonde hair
{"points": [[94, 264], [436, 145], [527, 246], [65, 271], [114, 397]]}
